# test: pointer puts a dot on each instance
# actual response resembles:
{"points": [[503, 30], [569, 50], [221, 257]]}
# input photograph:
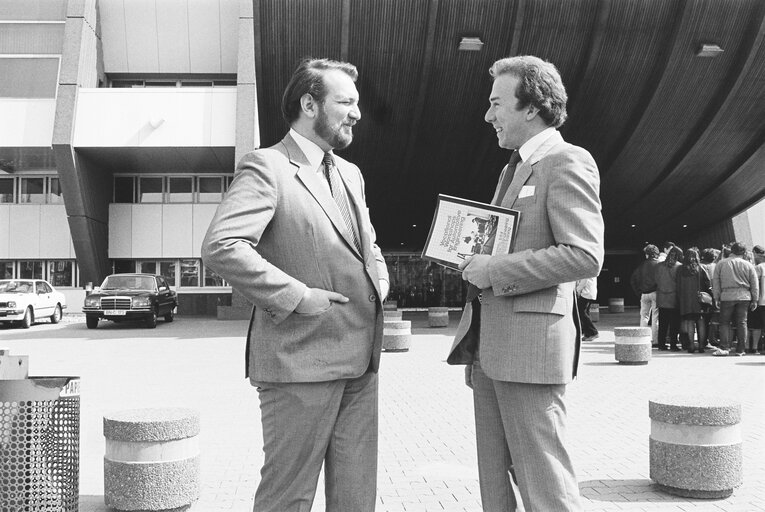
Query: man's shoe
{"points": [[674, 349], [720, 352], [590, 338]]}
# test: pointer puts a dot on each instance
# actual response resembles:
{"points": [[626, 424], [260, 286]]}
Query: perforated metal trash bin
{"points": [[39, 444]]}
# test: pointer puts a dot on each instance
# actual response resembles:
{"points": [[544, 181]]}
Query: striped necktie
{"points": [[338, 194]]}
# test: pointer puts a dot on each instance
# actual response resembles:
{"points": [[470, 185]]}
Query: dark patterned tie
{"points": [[515, 159], [338, 194]]}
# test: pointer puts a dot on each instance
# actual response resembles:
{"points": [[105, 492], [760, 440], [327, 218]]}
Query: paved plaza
{"points": [[427, 441]]}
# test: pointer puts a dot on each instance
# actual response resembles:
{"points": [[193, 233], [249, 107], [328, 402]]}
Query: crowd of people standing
{"points": [[697, 300]]}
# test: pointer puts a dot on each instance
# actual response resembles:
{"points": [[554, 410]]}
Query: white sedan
{"points": [[25, 301]]}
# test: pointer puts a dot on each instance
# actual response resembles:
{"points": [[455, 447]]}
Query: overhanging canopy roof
{"points": [[679, 139]]}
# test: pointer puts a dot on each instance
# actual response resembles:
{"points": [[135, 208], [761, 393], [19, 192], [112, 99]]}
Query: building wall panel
{"points": [[5, 231], [173, 36], [146, 231], [205, 46], [202, 216], [121, 231], [31, 38], [177, 230], [55, 237], [141, 31], [25, 231]]}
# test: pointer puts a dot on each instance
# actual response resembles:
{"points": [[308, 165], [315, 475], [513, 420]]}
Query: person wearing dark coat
{"points": [[691, 279]]}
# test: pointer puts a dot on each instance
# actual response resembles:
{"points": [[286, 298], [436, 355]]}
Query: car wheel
{"points": [[26, 322], [91, 321], [169, 316], [56, 316], [151, 320]]}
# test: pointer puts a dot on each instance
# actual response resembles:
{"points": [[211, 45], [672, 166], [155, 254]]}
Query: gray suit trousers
{"points": [[309, 424], [526, 421]]}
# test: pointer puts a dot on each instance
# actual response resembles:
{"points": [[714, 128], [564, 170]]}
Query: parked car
{"points": [[131, 297], [25, 301]]}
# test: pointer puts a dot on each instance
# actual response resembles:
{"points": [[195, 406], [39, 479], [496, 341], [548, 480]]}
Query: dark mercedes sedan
{"points": [[124, 297]]}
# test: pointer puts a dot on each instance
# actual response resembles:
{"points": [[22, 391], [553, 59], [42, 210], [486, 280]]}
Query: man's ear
{"points": [[531, 112], [309, 105]]}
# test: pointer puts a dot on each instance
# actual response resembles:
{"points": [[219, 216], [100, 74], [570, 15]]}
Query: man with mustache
{"points": [[293, 235]]}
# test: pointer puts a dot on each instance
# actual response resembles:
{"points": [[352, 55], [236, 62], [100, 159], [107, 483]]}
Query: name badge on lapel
{"points": [[526, 191]]}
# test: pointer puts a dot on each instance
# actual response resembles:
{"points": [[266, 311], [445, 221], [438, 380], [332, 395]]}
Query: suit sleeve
{"points": [[576, 223], [230, 245]]}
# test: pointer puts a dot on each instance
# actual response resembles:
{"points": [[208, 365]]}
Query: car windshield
{"points": [[15, 286], [128, 282]]}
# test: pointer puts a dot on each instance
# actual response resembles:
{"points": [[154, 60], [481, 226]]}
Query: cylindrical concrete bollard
{"points": [[695, 445], [438, 317], [397, 335], [152, 459], [595, 312], [616, 305], [632, 345], [392, 315], [390, 306]]}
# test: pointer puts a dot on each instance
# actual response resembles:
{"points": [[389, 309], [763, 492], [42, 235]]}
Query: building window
{"points": [[167, 270], [213, 279], [210, 189], [6, 190], [55, 196], [32, 190], [124, 189], [173, 82], [6, 270], [150, 190], [32, 269], [61, 273], [180, 190], [190, 272]]}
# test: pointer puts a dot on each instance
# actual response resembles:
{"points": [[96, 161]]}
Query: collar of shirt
{"points": [[531, 145], [312, 152]]}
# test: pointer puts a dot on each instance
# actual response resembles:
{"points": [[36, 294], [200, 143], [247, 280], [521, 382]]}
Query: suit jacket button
{"points": [[372, 297]]}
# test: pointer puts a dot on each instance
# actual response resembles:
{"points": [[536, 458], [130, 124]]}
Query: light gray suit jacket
{"points": [[278, 230], [527, 325]]}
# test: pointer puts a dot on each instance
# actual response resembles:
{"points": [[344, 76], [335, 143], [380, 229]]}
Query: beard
{"points": [[333, 136]]}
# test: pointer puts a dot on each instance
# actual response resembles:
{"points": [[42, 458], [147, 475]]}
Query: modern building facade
{"points": [[120, 125]]}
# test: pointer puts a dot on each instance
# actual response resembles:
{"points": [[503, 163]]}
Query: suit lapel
{"points": [[524, 170], [312, 181]]}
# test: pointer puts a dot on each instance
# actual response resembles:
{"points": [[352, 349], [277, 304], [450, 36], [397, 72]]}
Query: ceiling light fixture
{"points": [[709, 50], [470, 44]]}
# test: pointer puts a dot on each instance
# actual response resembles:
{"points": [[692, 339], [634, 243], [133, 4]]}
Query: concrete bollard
{"points": [[397, 335], [595, 312], [438, 317], [632, 345], [392, 315], [616, 305], [390, 306], [695, 445], [152, 459]]}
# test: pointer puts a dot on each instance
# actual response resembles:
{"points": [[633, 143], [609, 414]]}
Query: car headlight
{"points": [[141, 302], [12, 304], [91, 302]]}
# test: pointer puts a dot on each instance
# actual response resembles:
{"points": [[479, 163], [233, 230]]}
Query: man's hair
{"points": [[757, 249], [667, 245], [708, 255], [308, 78], [738, 248], [674, 255], [651, 251], [539, 85]]}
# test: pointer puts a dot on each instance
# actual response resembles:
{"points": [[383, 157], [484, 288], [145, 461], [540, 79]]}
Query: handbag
{"points": [[705, 298]]}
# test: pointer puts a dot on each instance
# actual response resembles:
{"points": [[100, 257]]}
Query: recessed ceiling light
{"points": [[709, 50], [470, 44]]}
